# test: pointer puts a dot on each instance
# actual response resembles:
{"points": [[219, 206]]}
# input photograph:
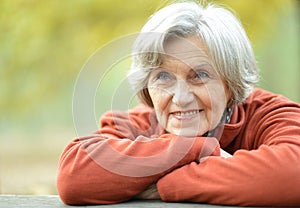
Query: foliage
{"points": [[44, 44]]}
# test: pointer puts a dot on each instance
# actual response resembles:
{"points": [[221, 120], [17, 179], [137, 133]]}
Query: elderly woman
{"points": [[203, 133]]}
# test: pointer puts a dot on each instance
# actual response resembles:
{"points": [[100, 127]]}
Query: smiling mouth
{"points": [[184, 115]]}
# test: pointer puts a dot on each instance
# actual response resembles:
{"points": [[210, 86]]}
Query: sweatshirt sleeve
{"points": [[122, 159], [266, 174]]}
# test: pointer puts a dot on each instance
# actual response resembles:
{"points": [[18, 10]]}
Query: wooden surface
{"points": [[53, 201]]}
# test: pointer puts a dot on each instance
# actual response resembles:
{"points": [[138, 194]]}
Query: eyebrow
{"points": [[205, 66]]}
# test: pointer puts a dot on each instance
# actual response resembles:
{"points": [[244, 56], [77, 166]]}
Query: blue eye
{"points": [[163, 76], [201, 75]]}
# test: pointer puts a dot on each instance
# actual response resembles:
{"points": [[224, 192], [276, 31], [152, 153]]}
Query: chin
{"points": [[187, 133]]}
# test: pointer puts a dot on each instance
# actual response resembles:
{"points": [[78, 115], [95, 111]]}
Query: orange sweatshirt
{"points": [[131, 151]]}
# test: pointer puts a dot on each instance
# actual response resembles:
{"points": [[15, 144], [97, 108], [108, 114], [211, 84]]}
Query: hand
{"points": [[150, 193]]}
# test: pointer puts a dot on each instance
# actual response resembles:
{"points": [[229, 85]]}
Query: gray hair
{"points": [[228, 45]]}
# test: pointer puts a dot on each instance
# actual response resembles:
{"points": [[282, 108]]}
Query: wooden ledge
{"points": [[53, 201]]}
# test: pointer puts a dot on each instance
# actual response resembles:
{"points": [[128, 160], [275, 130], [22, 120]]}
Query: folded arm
{"points": [[264, 173], [115, 165]]}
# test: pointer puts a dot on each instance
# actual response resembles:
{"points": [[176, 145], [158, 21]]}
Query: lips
{"points": [[184, 115]]}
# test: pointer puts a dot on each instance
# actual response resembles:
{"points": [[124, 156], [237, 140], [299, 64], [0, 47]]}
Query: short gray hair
{"points": [[228, 45]]}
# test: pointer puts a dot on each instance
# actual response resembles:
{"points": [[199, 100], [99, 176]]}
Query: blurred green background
{"points": [[44, 44]]}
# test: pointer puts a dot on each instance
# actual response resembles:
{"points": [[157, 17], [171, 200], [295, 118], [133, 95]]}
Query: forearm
{"points": [[82, 181], [152, 193], [102, 171], [265, 177]]}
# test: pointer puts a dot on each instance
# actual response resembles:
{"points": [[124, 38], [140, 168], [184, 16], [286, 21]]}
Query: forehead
{"points": [[185, 53], [185, 50]]}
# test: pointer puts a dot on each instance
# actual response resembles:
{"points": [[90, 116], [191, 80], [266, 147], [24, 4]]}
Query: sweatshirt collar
{"points": [[232, 129]]}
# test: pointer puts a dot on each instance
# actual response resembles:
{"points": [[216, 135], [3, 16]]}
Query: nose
{"points": [[182, 94]]}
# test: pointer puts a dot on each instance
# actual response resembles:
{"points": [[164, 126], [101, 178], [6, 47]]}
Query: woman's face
{"points": [[188, 95]]}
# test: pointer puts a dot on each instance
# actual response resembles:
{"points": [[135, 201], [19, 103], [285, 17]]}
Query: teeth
{"points": [[188, 113]]}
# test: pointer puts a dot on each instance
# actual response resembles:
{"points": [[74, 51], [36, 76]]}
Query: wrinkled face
{"points": [[188, 95]]}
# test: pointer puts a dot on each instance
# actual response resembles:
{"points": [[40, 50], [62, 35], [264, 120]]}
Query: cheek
{"points": [[214, 99], [159, 97], [160, 100], [219, 99]]}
